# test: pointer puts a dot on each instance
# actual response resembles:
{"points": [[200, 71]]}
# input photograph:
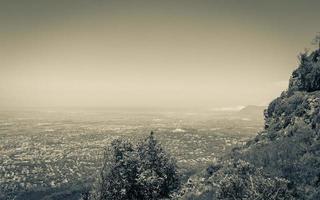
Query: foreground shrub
{"points": [[242, 180], [139, 172], [235, 180]]}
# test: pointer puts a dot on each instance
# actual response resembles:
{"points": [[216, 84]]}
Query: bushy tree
{"points": [[118, 177], [159, 176], [307, 76], [141, 172]]}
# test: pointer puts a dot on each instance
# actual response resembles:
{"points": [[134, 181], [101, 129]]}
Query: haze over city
{"points": [[150, 53]]}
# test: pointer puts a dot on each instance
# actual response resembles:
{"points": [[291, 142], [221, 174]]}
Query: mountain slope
{"points": [[282, 161]]}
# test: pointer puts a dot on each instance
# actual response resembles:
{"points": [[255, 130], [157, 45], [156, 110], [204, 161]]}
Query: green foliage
{"points": [[142, 172]]}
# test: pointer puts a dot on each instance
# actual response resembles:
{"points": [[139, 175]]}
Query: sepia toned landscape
{"points": [[159, 100]]}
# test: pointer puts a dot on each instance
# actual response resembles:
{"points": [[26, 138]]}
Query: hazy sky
{"points": [[201, 53]]}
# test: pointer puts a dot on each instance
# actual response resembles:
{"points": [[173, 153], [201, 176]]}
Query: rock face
{"points": [[286, 111]]}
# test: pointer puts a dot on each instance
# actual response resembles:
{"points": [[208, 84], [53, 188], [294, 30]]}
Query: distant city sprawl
{"points": [[47, 152]]}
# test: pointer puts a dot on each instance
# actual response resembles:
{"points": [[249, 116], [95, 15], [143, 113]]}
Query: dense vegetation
{"points": [[139, 172], [307, 76]]}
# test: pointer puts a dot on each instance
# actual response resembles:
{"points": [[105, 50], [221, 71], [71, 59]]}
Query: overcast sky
{"points": [[164, 53]]}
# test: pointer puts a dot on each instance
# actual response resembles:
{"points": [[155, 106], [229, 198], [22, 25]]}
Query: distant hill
{"points": [[252, 111]]}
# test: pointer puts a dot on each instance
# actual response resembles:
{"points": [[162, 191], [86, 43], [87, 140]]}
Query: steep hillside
{"points": [[282, 161], [289, 147]]}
